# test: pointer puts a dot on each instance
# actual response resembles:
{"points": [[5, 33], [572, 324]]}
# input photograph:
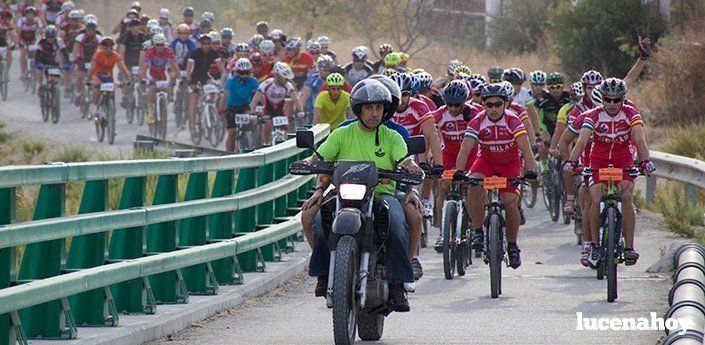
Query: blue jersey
{"points": [[391, 124], [314, 82], [182, 51], [240, 93]]}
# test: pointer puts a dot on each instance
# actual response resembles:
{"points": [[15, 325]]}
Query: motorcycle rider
{"points": [[367, 140]]}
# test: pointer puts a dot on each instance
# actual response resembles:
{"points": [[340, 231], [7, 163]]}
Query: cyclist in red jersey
{"points": [[614, 128], [156, 59], [300, 61], [501, 137]]}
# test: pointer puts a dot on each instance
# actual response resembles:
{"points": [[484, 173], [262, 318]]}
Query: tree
{"points": [[602, 34], [521, 27]]}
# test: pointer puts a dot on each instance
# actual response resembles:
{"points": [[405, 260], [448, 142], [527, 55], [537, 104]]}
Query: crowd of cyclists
{"points": [[474, 124]]}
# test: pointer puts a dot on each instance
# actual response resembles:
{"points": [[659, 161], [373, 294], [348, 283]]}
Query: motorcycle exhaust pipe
{"points": [[362, 292]]}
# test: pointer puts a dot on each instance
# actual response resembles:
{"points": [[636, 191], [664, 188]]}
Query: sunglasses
{"points": [[405, 93], [534, 84], [358, 60], [493, 81], [555, 87], [493, 104], [454, 105], [611, 100], [243, 72], [291, 49]]}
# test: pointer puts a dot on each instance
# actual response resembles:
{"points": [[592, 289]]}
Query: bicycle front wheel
{"points": [[495, 255], [450, 214], [162, 117], [4, 80], [110, 120], [611, 257], [55, 104]]}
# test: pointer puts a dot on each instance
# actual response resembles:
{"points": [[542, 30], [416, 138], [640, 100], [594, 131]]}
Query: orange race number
{"points": [[494, 182], [611, 174], [448, 174]]}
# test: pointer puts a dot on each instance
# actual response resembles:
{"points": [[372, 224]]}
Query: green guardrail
{"points": [[135, 257]]}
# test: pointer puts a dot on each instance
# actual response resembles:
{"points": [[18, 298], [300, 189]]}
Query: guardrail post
{"points": [[650, 189], [265, 210], [7, 259], [245, 219], [280, 170], [162, 238], [44, 260], [130, 296], [194, 232], [691, 193], [90, 307], [221, 227]]}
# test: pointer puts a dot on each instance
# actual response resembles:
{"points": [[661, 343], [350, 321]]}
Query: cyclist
{"points": [[547, 107], [62, 16], [214, 71], [7, 29], [500, 136], [83, 50], [300, 61], [239, 90], [367, 140], [187, 17], [51, 52], [50, 10], [164, 15], [254, 42], [441, 82], [522, 96], [197, 71], [122, 27], [262, 28], [279, 39], [268, 50], [157, 59], [615, 129], [325, 43], [182, 45], [359, 68], [537, 80], [272, 94], [130, 48], [426, 92], [261, 68], [384, 49], [26, 30], [333, 105], [71, 28], [226, 37], [242, 50], [313, 83], [102, 65]]}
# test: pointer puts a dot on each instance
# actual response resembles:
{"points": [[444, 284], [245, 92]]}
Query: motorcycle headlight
{"points": [[352, 192]]}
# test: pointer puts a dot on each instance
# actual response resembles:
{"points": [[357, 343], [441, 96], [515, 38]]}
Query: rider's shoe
{"points": [[478, 241], [150, 114], [417, 268], [439, 244], [522, 219], [427, 207], [630, 256], [397, 298], [584, 256], [594, 260], [514, 256], [322, 286]]}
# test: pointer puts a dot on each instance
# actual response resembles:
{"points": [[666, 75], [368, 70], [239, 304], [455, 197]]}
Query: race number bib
{"points": [[280, 121], [135, 69], [54, 71], [109, 87], [32, 48], [162, 84], [242, 119], [210, 88]]}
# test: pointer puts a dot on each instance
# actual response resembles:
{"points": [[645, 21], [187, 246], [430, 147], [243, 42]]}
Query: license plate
{"points": [[611, 174], [280, 121], [88, 65], [162, 84], [3, 50], [209, 88], [495, 182], [107, 87], [32, 48], [242, 119], [135, 70], [54, 71]]}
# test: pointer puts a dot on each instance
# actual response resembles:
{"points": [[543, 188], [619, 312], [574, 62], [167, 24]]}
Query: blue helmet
{"points": [[456, 92]]}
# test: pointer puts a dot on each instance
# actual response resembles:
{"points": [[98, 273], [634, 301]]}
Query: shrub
{"points": [[521, 28], [679, 215], [687, 142]]}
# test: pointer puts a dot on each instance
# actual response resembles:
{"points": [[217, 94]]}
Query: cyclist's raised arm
{"points": [[465, 148], [644, 53]]}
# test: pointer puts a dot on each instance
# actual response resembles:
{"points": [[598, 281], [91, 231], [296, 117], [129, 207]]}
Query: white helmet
{"points": [[359, 52], [243, 64], [152, 23], [283, 70], [537, 77], [508, 88], [208, 16], [266, 47], [215, 36], [90, 18], [156, 30], [293, 43], [323, 41], [68, 6], [158, 39], [74, 14], [591, 77], [164, 13]]}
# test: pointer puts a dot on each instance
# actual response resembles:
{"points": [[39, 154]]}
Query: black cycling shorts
{"points": [[231, 111]]}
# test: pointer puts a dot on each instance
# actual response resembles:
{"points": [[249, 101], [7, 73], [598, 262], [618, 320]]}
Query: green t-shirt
{"points": [[332, 113], [351, 143]]}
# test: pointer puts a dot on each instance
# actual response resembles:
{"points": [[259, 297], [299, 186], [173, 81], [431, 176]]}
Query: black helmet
{"points": [[514, 75], [494, 73], [555, 78], [393, 89], [494, 90], [370, 91], [51, 31]]}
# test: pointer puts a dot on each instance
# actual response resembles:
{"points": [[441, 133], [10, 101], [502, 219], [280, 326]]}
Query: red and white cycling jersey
{"points": [[411, 118], [574, 127], [497, 139], [518, 110], [452, 130], [274, 94], [429, 102], [28, 29], [157, 61], [612, 134]]}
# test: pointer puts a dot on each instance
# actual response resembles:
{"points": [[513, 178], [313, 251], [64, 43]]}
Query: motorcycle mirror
{"points": [[416, 144], [304, 139]]}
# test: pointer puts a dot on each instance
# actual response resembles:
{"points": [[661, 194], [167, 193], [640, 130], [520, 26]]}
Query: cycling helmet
{"points": [[393, 89], [50, 31], [613, 87], [30, 9], [6, 14], [555, 78], [508, 88], [256, 59], [276, 34], [390, 72], [514, 75], [159, 39], [164, 13], [187, 12], [243, 64], [152, 23], [294, 43], [313, 47], [136, 5], [215, 36], [242, 47], [370, 91], [266, 47], [406, 81], [418, 70], [494, 90], [462, 69], [478, 76], [591, 77], [68, 6], [495, 73], [144, 19], [132, 14], [156, 30], [255, 40], [135, 23], [107, 41], [537, 77], [74, 14], [385, 48], [283, 70], [205, 25], [392, 60], [226, 33], [262, 26], [425, 80], [456, 92], [183, 29], [325, 62], [576, 89], [92, 25], [204, 39], [596, 96], [403, 57], [208, 16], [335, 79], [324, 41], [475, 84], [359, 53], [452, 65]]}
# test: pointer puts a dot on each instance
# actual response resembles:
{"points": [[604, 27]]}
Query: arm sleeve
{"points": [[330, 148], [398, 147]]}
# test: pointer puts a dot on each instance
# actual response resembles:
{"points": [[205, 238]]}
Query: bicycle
{"points": [[105, 118], [551, 186], [135, 102], [50, 95], [29, 79], [610, 232], [279, 128], [457, 237], [85, 104], [181, 101], [577, 213], [207, 118], [495, 227], [158, 128], [4, 75]]}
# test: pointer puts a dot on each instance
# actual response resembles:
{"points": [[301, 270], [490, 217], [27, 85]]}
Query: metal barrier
{"points": [[677, 168], [135, 257], [686, 298]]}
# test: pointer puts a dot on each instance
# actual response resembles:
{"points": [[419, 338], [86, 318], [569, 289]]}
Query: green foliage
{"points": [[679, 216], [689, 142], [72, 154], [32, 147], [521, 28], [602, 34], [5, 137]]}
